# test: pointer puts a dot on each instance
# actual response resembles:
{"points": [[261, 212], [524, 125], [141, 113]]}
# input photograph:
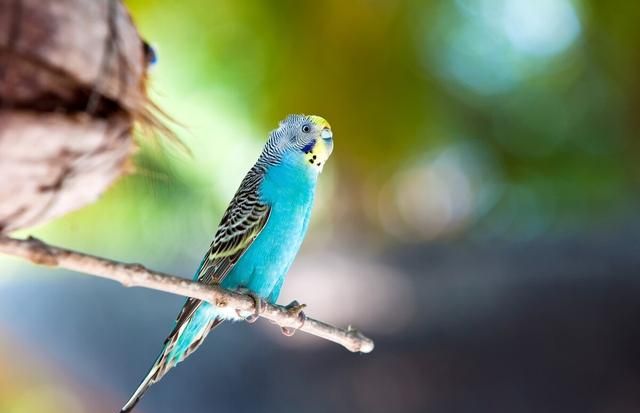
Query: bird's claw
{"points": [[294, 308], [258, 305]]}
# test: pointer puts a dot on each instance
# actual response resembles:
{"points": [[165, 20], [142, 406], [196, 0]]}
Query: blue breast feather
{"points": [[289, 189]]}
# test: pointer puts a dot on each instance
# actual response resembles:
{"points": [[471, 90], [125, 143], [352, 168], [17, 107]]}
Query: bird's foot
{"points": [[294, 308], [258, 305]]}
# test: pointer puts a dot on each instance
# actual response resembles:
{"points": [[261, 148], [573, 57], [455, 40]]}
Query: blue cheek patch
{"points": [[308, 147]]}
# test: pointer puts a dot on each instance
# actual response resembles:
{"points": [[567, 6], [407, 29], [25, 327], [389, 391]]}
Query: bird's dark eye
{"points": [[306, 128]]}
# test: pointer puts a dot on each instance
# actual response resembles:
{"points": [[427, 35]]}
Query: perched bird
{"points": [[258, 237]]}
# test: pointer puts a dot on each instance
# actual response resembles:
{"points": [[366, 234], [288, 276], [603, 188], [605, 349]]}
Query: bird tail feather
{"points": [[183, 340], [150, 379]]}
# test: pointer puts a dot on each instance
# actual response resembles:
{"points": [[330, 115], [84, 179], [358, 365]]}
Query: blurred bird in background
{"points": [[257, 239]]}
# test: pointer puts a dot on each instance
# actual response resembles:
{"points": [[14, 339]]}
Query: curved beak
{"points": [[327, 138], [326, 134]]}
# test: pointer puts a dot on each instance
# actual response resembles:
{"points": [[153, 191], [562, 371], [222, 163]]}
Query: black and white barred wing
{"points": [[242, 222]]}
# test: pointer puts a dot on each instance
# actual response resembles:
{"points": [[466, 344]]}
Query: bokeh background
{"points": [[478, 217]]}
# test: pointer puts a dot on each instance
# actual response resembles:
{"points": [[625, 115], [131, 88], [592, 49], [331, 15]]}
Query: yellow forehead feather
{"points": [[319, 121]]}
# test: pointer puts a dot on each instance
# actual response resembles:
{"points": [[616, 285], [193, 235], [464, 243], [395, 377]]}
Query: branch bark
{"points": [[136, 275]]}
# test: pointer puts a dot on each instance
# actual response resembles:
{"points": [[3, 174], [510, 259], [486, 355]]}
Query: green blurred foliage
{"points": [[500, 118], [491, 118]]}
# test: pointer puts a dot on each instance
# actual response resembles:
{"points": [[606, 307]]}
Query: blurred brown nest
{"points": [[72, 85]]}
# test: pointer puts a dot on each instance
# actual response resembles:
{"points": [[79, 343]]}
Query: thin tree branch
{"points": [[136, 275]]}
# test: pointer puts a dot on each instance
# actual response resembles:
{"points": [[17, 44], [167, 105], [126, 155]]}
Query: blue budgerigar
{"points": [[258, 237]]}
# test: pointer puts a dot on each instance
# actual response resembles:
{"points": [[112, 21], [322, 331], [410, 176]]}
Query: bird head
{"points": [[302, 139]]}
